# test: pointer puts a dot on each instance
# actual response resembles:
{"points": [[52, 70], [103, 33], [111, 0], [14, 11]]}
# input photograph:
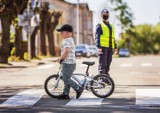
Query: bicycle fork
{"points": [[57, 82]]}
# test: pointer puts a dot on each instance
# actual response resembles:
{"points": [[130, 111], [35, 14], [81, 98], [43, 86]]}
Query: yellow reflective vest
{"points": [[105, 38]]}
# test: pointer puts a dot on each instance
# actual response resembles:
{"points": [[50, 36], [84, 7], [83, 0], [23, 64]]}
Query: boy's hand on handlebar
{"points": [[60, 60]]}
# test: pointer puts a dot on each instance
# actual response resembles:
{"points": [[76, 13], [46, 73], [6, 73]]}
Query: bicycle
{"points": [[100, 85]]}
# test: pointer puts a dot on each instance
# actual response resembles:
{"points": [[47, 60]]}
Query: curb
{"points": [[20, 65], [24, 64], [13, 66]]}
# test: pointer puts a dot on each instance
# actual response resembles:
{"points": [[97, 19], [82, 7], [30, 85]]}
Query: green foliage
{"points": [[144, 39], [13, 57], [25, 56], [124, 15]]}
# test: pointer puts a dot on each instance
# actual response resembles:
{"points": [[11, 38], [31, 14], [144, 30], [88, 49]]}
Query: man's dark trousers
{"points": [[105, 59]]}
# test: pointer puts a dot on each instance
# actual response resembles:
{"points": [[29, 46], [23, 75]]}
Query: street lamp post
{"points": [[28, 31], [77, 21]]}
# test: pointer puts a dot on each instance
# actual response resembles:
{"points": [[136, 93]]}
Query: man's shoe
{"points": [[79, 92], [63, 96]]}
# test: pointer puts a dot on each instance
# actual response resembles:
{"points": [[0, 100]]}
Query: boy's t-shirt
{"points": [[69, 43]]}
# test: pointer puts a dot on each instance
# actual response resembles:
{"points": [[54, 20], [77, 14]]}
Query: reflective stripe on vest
{"points": [[104, 37]]}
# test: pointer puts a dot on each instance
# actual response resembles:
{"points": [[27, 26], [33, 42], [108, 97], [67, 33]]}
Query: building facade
{"points": [[69, 16]]}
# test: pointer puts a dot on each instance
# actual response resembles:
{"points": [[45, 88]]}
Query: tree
{"points": [[49, 21], [145, 39], [156, 36], [125, 15], [9, 10], [20, 6]]}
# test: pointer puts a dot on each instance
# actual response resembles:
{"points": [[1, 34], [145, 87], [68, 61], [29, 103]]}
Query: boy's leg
{"points": [[67, 71]]}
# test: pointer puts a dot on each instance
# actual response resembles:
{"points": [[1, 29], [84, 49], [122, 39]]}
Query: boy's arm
{"points": [[65, 53]]}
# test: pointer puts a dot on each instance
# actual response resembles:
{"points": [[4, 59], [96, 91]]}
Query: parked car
{"points": [[93, 50], [82, 50], [124, 52]]}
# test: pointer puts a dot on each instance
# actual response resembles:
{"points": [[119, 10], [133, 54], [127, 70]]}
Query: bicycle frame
{"points": [[86, 80]]}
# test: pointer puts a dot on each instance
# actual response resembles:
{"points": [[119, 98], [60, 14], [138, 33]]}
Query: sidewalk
{"points": [[31, 63]]}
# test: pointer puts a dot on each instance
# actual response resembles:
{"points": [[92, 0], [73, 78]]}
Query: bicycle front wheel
{"points": [[102, 86], [52, 87]]}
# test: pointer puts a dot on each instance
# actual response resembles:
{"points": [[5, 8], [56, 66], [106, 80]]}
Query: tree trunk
{"points": [[43, 29], [33, 38], [18, 43], [4, 45], [53, 20], [51, 42]]}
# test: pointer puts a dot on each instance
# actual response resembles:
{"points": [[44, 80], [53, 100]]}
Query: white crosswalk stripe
{"points": [[147, 96], [25, 98], [31, 96], [86, 99]]}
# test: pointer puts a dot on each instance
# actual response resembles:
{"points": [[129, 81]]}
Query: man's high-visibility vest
{"points": [[105, 39]]}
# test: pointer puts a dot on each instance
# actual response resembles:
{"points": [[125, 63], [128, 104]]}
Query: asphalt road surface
{"points": [[137, 88]]}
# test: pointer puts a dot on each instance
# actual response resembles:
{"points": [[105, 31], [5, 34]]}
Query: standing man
{"points": [[105, 41], [68, 62]]}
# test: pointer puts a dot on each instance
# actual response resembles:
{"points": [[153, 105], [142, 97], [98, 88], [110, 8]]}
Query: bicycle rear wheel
{"points": [[102, 86], [50, 87]]}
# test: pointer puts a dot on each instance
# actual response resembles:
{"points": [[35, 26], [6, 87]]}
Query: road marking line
{"points": [[136, 72], [148, 96], [146, 64], [126, 65], [82, 65], [26, 98], [45, 66], [86, 99]]}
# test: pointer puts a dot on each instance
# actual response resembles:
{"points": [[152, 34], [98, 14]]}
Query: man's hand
{"points": [[100, 51], [115, 51]]}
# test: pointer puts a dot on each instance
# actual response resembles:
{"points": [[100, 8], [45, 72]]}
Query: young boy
{"points": [[68, 62]]}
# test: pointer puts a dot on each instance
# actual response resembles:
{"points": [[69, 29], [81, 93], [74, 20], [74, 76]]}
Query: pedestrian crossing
{"points": [[87, 98], [25, 98], [30, 97], [147, 96]]}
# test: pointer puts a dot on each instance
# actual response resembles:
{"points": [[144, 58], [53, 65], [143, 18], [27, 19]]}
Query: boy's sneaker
{"points": [[63, 96], [79, 92]]}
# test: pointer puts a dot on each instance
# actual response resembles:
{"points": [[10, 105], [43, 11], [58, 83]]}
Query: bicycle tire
{"points": [[107, 83], [49, 86]]}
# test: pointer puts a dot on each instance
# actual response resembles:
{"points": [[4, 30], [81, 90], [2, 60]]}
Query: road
{"points": [[137, 88]]}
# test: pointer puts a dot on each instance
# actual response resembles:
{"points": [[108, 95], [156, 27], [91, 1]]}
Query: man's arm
{"points": [[97, 35]]}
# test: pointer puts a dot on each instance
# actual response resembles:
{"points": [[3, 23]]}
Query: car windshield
{"points": [[92, 47], [80, 47], [125, 50]]}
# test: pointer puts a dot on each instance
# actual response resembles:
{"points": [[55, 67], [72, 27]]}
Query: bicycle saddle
{"points": [[88, 63]]}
